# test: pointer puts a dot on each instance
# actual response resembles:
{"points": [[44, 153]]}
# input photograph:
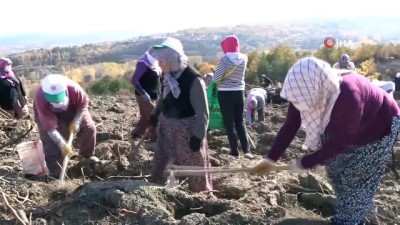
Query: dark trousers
{"points": [[231, 104], [85, 140]]}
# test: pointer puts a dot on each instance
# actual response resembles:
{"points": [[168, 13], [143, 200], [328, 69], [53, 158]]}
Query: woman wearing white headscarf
{"points": [[351, 127], [388, 86], [181, 116], [61, 108]]}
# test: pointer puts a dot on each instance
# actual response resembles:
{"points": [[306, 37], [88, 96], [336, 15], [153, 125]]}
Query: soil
{"points": [[122, 194]]}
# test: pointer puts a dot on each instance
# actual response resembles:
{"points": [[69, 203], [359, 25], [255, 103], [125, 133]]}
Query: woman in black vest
{"points": [[146, 80], [12, 94], [181, 116]]}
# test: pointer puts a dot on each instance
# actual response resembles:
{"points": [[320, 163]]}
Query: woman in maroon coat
{"points": [[351, 127]]}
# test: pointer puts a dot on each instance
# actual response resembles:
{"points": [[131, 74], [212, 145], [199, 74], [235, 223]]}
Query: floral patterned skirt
{"points": [[173, 136], [355, 176]]}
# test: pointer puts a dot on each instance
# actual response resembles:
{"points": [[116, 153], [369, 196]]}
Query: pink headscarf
{"points": [[6, 63], [230, 44]]}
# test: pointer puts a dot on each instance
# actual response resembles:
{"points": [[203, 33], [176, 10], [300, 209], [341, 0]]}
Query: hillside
{"points": [[300, 35]]}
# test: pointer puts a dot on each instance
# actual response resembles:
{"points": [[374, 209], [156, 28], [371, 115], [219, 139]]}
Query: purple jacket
{"points": [[146, 81], [361, 115]]}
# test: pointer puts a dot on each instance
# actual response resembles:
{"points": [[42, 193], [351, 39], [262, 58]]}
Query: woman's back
{"points": [[231, 68], [363, 101], [231, 72]]}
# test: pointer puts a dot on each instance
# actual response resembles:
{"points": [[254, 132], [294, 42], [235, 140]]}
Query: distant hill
{"points": [[300, 35], [15, 43]]}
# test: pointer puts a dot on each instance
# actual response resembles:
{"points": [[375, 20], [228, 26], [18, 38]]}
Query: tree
{"points": [[75, 75], [263, 65], [328, 54], [87, 78], [205, 67], [195, 59], [109, 86], [365, 51], [278, 62], [252, 67], [301, 54], [368, 69], [88, 73], [128, 74]]}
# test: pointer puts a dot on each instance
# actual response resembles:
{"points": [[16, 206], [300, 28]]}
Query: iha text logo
{"points": [[330, 42]]}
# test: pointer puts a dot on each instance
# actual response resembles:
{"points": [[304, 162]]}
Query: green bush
{"points": [[109, 86], [276, 63]]}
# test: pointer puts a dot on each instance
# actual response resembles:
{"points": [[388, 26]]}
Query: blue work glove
{"points": [[146, 97]]}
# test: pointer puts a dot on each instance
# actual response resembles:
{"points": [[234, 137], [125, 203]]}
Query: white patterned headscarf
{"points": [[313, 87]]}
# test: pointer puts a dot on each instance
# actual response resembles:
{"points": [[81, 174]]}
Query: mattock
{"points": [[66, 160], [183, 171]]}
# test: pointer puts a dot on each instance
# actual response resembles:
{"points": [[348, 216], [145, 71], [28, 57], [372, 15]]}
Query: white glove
{"points": [[295, 167]]}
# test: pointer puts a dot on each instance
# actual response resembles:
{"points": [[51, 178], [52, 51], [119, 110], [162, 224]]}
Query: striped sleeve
{"points": [[220, 70]]}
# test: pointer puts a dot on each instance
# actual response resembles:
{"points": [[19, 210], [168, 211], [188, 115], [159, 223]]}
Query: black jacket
{"points": [[11, 89]]}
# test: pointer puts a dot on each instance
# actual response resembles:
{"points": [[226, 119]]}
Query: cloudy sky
{"points": [[153, 16]]}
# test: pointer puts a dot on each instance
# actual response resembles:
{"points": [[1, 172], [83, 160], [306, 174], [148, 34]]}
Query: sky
{"points": [[158, 16]]}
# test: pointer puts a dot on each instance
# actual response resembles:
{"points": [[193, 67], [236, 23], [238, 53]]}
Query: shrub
{"points": [[109, 86]]}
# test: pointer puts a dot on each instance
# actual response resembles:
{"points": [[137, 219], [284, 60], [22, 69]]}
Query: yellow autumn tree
{"points": [[364, 52], [368, 69], [75, 74], [205, 67], [88, 73], [109, 68], [88, 70]]}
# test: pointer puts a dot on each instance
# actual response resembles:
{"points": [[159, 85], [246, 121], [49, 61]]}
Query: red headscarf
{"points": [[4, 62]]}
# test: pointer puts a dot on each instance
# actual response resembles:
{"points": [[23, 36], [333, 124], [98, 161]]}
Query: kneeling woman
{"points": [[181, 116]]}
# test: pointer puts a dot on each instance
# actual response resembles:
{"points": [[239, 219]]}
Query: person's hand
{"points": [[296, 167], [25, 111], [170, 164], [24, 100], [145, 97], [66, 150], [195, 144], [73, 127], [263, 167], [19, 110]]}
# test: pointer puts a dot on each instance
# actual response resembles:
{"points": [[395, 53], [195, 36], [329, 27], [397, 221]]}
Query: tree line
{"points": [[274, 63]]}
